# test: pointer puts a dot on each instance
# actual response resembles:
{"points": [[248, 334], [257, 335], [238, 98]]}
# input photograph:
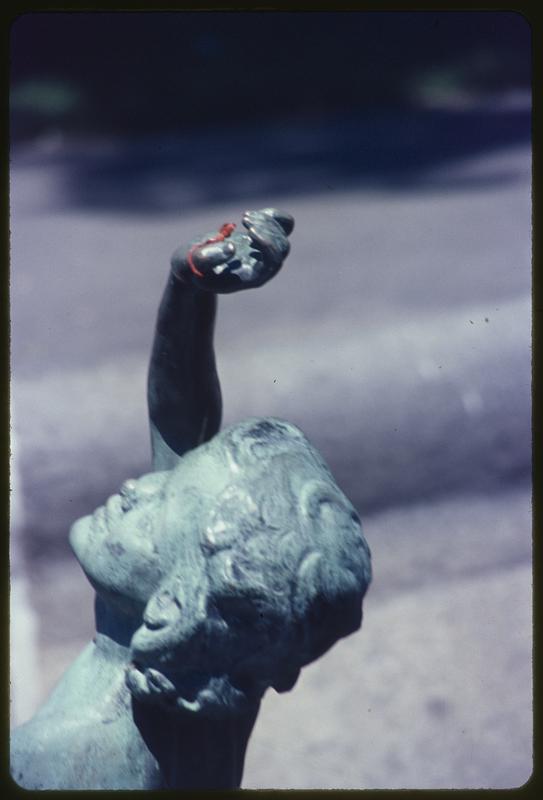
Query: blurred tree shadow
{"points": [[217, 106], [158, 174]]}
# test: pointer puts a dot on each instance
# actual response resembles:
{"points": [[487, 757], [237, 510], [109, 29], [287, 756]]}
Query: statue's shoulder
{"points": [[41, 755], [85, 754]]}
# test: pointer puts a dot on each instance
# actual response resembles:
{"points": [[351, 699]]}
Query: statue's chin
{"points": [[192, 693]]}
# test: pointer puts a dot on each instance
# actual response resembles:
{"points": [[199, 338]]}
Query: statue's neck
{"points": [[191, 752], [198, 752]]}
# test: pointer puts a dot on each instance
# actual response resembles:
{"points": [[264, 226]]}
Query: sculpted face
{"points": [[143, 552], [118, 544], [223, 565]]}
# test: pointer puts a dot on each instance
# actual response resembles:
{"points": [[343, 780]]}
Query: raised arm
{"points": [[183, 391]]}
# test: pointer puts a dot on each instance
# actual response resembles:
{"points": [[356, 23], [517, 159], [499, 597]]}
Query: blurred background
{"points": [[397, 337]]}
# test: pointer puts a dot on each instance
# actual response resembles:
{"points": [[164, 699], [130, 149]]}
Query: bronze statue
{"points": [[222, 572]]}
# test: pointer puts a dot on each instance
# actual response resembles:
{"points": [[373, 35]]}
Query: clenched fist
{"points": [[229, 260]]}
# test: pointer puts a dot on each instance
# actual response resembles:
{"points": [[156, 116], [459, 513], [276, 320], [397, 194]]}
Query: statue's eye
{"points": [[129, 496]]}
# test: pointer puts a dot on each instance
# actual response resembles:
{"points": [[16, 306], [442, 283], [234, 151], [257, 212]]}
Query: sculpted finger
{"points": [[211, 255], [267, 236], [204, 259], [285, 220]]}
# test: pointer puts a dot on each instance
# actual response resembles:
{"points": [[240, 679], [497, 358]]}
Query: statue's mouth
{"points": [[191, 691]]}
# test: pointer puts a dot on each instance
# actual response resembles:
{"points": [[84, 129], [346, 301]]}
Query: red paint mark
{"points": [[224, 232]]}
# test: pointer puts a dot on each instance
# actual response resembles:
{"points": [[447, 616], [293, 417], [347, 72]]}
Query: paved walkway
{"points": [[398, 337]]}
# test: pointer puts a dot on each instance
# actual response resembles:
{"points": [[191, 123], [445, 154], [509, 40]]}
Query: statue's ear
{"points": [[164, 622], [163, 608]]}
